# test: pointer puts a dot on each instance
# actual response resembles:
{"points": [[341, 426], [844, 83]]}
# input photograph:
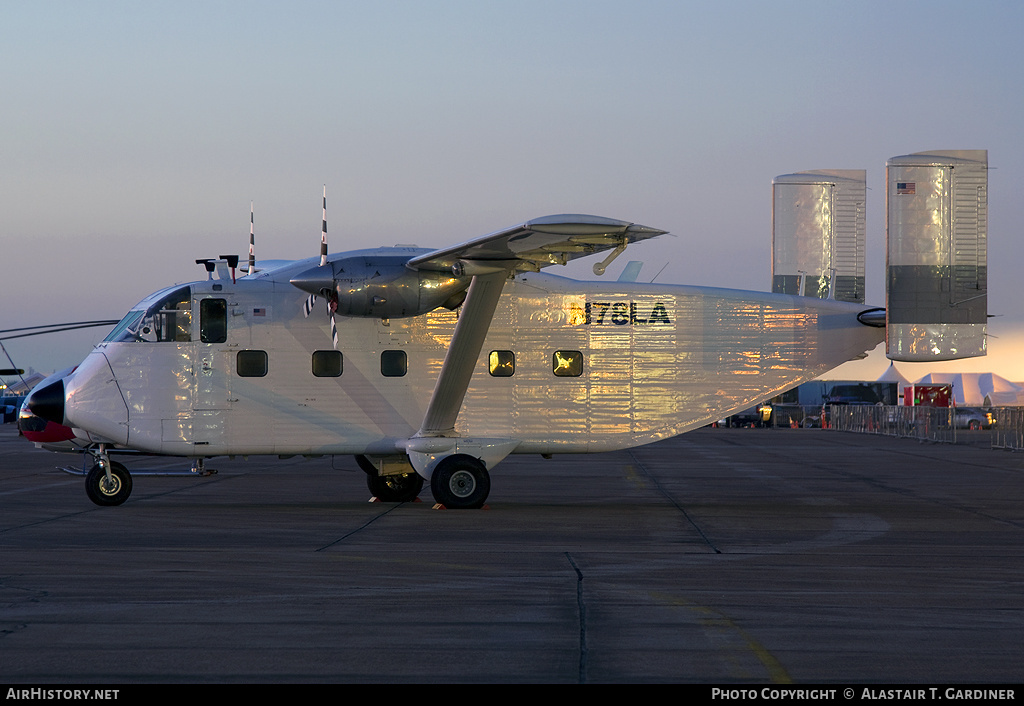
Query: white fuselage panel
{"points": [[656, 360]]}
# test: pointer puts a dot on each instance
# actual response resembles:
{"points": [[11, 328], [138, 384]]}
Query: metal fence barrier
{"points": [[796, 416], [921, 423], [1008, 431], [938, 424]]}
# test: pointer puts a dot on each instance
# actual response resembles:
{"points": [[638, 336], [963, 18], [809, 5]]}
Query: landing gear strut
{"points": [[392, 488], [460, 482], [396, 488], [105, 488]]}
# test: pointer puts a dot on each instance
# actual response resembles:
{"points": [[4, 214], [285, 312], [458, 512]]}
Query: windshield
{"points": [[168, 319]]}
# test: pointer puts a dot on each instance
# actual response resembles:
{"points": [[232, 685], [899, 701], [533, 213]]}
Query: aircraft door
{"points": [[211, 369]]}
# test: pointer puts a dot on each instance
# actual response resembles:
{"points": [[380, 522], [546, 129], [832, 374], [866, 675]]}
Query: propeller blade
{"points": [[252, 238], [323, 233]]}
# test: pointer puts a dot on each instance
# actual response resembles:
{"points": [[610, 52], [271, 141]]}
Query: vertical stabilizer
{"points": [[818, 234], [937, 264]]}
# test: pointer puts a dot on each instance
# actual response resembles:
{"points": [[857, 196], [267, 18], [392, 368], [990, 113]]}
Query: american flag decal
{"points": [[906, 187], [259, 311]]}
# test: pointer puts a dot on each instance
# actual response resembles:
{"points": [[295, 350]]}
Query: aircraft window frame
{"points": [[567, 363], [394, 363], [252, 363], [501, 364], [167, 320], [129, 324], [213, 326], [323, 365]]}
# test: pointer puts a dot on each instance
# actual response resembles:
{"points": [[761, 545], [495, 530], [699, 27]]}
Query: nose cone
{"points": [[93, 401], [315, 280], [47, 402]]}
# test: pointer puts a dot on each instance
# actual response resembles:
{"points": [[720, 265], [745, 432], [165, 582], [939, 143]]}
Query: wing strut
{"points": [[463, 351], [489, 261]]}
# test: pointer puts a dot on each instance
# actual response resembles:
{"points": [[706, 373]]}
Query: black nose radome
{"points": [[48, 402]]}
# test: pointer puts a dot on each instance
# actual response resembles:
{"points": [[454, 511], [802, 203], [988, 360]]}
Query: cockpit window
{"points": [[169, 319], [129, 322]]}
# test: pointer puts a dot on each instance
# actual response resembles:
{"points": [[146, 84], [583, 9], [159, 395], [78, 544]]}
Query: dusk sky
{"points": [[133, 136]]}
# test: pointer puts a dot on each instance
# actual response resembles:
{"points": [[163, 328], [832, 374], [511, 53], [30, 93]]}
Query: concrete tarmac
{"points": [[724, 556]]}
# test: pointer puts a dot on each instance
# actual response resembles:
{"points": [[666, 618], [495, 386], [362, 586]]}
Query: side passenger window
{"points": [[393, 364], [501, 364], [327, 364], [567, 364], [251, 364]]}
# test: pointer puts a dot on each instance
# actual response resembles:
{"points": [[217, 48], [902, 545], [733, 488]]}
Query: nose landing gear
{"points": [[108, 482]]}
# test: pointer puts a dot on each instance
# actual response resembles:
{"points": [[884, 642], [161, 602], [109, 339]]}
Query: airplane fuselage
{"points": [[567, 367]]}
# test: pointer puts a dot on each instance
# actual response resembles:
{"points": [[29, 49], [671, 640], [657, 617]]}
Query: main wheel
{"points": [[366, 466], [396, 488], [113, 493], [460, 482]]}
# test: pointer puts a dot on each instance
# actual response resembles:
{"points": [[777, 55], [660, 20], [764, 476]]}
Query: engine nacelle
{"points": [[381, 286]]}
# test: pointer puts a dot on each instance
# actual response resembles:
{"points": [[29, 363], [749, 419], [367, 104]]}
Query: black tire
{"points": [[367, 467], [460, 482], [395, 489], [96, 485]]}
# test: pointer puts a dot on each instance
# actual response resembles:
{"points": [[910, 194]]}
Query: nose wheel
{"points": [[108, 491]]}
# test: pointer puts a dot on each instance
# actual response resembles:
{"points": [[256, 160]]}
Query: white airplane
{"points": [[437, 364]]}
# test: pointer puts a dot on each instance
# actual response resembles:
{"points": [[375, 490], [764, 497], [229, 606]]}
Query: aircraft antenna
{"points": [[659, 272]]}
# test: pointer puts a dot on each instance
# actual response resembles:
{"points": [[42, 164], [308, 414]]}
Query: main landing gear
{"points": [[108, 489], [395, 489], [392, 488], [460, 482]]}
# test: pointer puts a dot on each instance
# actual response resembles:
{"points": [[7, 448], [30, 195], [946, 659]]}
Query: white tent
{"points": [[894, 376], [891, 374], [978, 389]]}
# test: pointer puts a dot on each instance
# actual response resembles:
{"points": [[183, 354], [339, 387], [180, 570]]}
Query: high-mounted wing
{"points": [[489, 261], [551, 240], [472, 274]]}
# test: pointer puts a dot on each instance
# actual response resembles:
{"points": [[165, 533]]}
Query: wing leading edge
{"points": [[529, 246]]}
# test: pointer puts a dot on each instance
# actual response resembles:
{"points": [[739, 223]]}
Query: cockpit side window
{"points": [[169, 319], [124, 331]]}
